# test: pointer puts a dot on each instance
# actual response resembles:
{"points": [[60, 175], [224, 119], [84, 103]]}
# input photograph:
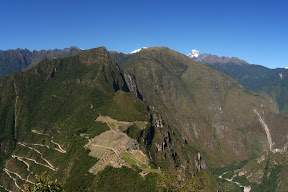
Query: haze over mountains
{"points": [[103, 121]]}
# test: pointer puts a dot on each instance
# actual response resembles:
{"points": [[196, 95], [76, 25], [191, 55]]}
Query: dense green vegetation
{"points": [[43, 183], [134, 132], [127, 107], [171, 181], [228, 168], [279, 93], [82, 179], [268, 183], [125, 179], [7, 138]]}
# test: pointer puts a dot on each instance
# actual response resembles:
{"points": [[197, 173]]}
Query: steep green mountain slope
{"points": [[279, 93], [209, 109], [253, 77], [260, 79], [17, 60], [75, 118]]}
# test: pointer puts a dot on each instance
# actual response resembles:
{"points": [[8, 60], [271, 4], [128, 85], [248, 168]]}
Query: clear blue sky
{"points": [[253, 30]]}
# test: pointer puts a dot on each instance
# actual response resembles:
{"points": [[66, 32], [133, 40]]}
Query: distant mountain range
{"points": [[214, 59], [18, 59]]}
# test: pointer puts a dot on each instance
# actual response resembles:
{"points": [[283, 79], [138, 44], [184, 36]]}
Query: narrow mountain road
{"points": [[38, 132], [21, 159], [26, 159], [41, 155], [15, 111], [59, 149], [19, 176], [41, 145], [15, 182], [59, 146], [5, 188], [33, 160]]}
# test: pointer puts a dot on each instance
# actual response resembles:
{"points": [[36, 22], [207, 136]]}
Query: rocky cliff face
{"points": [[132, 86]]}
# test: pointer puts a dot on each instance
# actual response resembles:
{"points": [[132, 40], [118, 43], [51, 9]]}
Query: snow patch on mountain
{"points": [[194, 54], [137, 50]]}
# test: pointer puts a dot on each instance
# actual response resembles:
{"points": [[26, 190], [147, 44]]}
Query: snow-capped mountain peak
{"points": [[193, 53], [137, 50]]}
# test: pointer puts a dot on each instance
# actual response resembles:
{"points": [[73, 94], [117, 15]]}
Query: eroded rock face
{"points": [[199, 163], [159, 123], [132, 85]]}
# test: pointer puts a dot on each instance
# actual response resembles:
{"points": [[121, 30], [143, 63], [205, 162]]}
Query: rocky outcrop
{"points": [[159, 123], [130, 81], [199, 163]]}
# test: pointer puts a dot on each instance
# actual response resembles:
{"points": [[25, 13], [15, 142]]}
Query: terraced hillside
{"points": [[117, 149]]}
